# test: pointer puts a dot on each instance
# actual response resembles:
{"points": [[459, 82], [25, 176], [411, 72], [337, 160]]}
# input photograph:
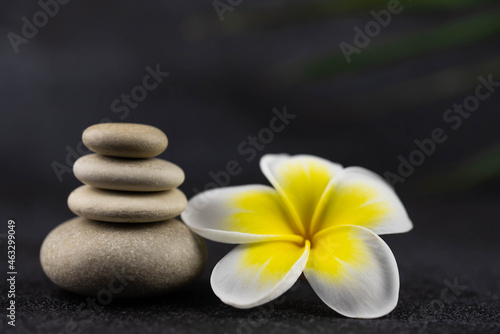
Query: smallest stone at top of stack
{"points": [[125, 140]]}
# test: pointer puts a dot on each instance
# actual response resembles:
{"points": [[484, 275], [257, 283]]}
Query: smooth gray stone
{"points": [[125, 206], [122, 260], [128, 174], [127, 140]]}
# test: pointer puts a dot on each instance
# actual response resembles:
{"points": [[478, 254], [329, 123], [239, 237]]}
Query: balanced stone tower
{"points": [[125, 241]]}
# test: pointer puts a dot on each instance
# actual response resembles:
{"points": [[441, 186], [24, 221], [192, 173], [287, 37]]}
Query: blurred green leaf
{"points": [[485, 167], [458, 33], [312, 11], [423, 90]]}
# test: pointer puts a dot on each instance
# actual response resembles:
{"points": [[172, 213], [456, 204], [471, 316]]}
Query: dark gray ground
{"points": [[450, 280]]}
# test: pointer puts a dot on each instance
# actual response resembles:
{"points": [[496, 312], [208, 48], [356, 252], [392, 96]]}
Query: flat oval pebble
{"points": [[126, 207], [107, 260], [128, 174], [127, 140]]}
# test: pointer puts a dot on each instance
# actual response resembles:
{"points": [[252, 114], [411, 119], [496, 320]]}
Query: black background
{"points": [[225, 79]]}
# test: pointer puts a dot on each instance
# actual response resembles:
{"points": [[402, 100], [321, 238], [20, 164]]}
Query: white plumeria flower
{"points": [[320, 219]]}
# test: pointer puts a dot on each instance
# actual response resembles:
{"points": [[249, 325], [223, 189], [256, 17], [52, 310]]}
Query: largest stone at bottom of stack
{"points": [[122, 260]]}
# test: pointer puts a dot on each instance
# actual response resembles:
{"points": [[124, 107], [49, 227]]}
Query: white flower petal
{"points": [[357, 196], [254, 274], [354, 272], [240, 214]]}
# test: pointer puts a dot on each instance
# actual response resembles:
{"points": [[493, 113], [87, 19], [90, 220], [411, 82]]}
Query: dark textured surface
{"points": [[222, 89], [450, 283]]}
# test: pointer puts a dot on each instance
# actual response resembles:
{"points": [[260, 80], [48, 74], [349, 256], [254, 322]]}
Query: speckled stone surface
{"points": [[126, 207], [126, 140], [103, 259], [128, 174]]}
